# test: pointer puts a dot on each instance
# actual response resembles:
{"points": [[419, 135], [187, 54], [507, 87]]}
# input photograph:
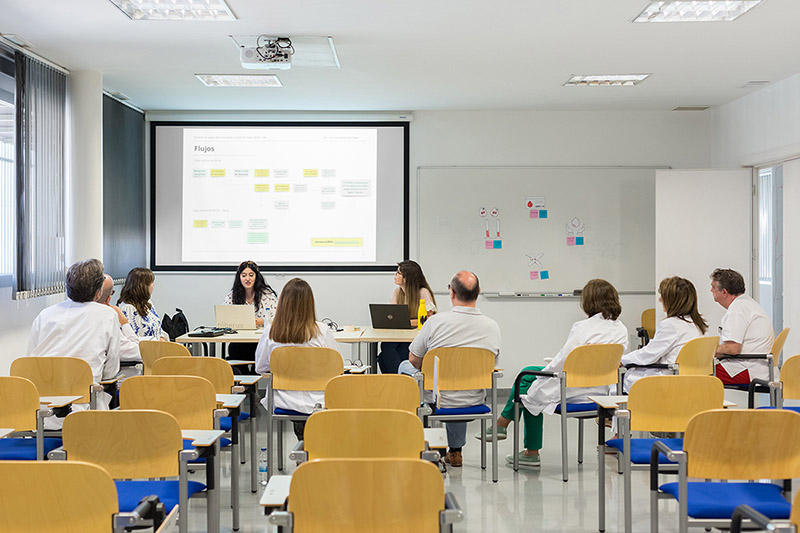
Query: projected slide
{"points": [[288, 195]]}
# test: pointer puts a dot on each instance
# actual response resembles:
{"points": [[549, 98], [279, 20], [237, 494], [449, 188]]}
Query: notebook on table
{"points": [[238, 317], [390, 316]]}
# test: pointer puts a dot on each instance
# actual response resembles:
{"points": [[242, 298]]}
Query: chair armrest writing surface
{"points": [[435, 437], [247, 380], [609, 402], [529, 373], [231, 401], [55, 402], [202, 438], [276, 492], [112, 380]]}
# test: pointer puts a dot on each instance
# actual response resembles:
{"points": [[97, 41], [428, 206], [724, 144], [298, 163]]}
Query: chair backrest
{"points": [[128, 444], [152, 351], [696, 358], [649, 321], [19, 401], [80, 497], [743, 444], [394, 495], [459, 368], [217, 371], [373, 391], [190, 399], [304, 367], [56, 376], [667, 403], [777, 345], [593, 365], [364, 433], [790, 378]]}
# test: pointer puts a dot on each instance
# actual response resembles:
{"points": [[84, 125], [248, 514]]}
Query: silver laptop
{"points": [[390, 316], [235, 316]]}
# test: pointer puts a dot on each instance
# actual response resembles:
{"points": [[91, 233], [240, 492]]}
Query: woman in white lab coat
{"points": [[600, 302], [295, 324], [678, 297]]}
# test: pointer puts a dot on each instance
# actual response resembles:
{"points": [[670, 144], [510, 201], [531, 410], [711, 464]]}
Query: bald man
{"points": [[462, 326]]}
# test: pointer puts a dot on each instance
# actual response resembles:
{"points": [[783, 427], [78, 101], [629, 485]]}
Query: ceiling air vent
{"points": [[753, 84], [691, 108]]}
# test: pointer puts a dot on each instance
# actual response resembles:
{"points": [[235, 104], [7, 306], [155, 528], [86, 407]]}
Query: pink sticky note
{"points": [[489, 245], [570, 241], [534, 274], [534, 213]]}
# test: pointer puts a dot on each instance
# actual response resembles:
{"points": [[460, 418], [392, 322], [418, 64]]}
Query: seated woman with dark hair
{"points": [[295, 324], [250, 288], [600, 302], [134, 302]]}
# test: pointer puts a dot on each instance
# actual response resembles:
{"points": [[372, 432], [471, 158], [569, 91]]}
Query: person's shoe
{"points": [[453, 459], [502, 434], [525, 460]]}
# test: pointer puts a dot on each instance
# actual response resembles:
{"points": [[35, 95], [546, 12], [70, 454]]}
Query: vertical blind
{"points": [[765, 225], [40, 149]]}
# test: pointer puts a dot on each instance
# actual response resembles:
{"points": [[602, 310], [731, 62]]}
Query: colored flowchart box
{"points": [[544, 274], [578, 241], [534, 274], [498, 244], [570, 241], [542, 213]]}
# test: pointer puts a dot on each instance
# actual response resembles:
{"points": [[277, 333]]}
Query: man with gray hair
{"points": [[80, 326], [462, 326], [745, 329]]}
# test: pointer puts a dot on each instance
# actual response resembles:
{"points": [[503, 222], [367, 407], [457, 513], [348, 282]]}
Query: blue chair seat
{"points": [[640, 449], [187, 445], [130, 493], [24, 449], [578, 407], [472, 410], [794, 408], [225, 422], [718, 500], [289, 412]]}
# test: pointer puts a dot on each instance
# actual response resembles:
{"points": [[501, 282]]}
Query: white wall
{"points": [[531, 330], [759, 129]]}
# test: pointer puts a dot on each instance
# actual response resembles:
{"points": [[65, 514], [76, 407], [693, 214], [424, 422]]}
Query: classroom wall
{"points": [[760, 129], [531, 330]]}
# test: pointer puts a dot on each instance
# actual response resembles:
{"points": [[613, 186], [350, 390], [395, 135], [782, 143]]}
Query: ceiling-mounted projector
{"points": [[269, 53]]}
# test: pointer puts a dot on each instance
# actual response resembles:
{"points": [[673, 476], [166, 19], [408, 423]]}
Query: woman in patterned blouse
{"points": [[134, 302]]}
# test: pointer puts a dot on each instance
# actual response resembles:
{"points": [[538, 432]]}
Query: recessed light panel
{"points": [[606, 80], [175, 9], [239, 80], [689, 11]]}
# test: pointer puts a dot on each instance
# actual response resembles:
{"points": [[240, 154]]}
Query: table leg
{"points": [[235, 467], [253, 393]]}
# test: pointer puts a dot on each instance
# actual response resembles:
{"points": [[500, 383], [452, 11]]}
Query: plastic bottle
{"points": [[262, 467], [422, 313]]}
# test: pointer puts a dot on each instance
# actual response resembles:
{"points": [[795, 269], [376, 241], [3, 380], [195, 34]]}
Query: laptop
{"points": [[390, 316], [235, 316]]}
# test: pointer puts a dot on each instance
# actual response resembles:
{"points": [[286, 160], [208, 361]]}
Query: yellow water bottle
{"points": [[422, 313]]}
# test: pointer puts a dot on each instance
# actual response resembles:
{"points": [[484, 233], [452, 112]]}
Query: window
{"points": [[7, 170]]}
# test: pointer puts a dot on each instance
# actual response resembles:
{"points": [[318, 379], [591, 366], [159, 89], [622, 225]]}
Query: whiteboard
{"points": [[612, 209]]}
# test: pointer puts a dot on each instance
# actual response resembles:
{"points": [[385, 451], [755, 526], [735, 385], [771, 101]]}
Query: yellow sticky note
{"points": [[217, 172], [200, 224], [261, 172], [281, 187], [261, 187], [310, 172]]}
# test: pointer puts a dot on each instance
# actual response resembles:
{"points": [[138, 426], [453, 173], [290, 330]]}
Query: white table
{"points": [[4, 432], [370, 335], [207, 439]]}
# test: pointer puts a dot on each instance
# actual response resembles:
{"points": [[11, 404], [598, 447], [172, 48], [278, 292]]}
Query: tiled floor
{"points": [[534, 499]]}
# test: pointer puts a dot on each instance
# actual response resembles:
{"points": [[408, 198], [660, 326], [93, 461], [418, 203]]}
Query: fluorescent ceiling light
{"points": [[688, 11], [606, 80], [239, 80], [175, 9]]}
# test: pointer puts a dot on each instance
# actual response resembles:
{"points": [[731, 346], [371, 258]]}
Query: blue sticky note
{"points": [[578, 241], [498, 244], [542, 213], [544, 274]]}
